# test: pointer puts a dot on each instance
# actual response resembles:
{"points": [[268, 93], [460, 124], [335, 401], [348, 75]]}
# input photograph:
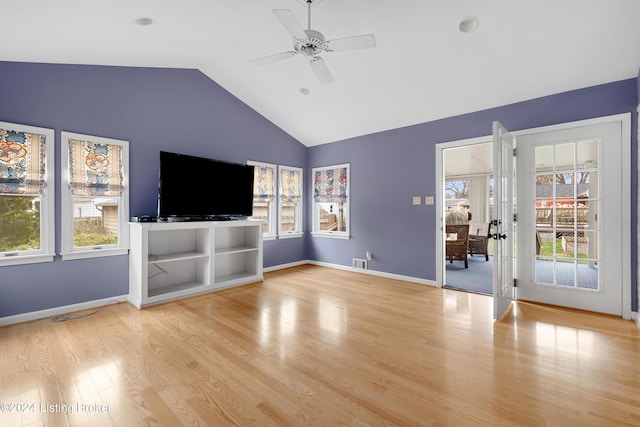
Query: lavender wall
{"points": [[184, 111], [388, 168], [155, 109]]}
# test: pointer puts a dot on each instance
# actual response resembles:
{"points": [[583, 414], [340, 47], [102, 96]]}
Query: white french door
{"points": [[571, 217], [573, 228], [502, 224]]}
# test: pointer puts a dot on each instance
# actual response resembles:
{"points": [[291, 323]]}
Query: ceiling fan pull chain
{"points": [[308, 14]]}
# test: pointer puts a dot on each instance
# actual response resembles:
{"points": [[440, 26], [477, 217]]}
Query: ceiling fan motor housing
{"points": [[310, 46]]}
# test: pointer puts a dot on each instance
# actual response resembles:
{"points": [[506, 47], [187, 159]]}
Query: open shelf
{"points": [[154, 259], [174, 260], [234, 250], [225, 280], [174, 288]]}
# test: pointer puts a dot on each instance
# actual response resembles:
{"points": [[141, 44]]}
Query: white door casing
{"points": [[622, 250]]}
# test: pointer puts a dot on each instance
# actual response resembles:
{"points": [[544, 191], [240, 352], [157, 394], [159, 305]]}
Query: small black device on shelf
{"points": [[144, 218], [200, 189]]}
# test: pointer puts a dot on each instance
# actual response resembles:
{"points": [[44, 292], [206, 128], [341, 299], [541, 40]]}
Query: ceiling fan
{"points": [[312, 43]]}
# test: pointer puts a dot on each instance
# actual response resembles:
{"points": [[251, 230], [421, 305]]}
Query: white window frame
{"points": [[68, 251], [316, 219], [46, 252], [273, 226], [298, 232]]}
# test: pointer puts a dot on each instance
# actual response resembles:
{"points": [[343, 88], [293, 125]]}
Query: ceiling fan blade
{"points": [[365, 41], [290, 22], [321, 70], [264, 60]]}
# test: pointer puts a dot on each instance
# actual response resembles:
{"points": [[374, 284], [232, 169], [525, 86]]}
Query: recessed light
{"points": [[469, 24], [304, 91], [144, 22]]}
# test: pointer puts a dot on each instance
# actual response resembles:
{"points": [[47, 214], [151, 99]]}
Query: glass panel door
{"points": [[503, 172], [573, 185]]}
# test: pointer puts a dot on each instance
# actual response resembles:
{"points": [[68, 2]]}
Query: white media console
{"points": [[177, 259]]}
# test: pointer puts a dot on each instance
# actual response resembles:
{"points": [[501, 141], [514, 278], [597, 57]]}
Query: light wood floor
{"points": [[316, 346]]}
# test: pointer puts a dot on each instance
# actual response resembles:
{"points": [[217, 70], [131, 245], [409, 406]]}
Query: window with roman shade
{"points": [[22, 163], [26, 197], [290, 218], [331, 201], [95, 169], [264, 193], [95, 202]]}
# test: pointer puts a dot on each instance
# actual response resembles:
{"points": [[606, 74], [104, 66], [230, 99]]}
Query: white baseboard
{"points": [[375, 273], [283, 266], [349, 268], [56, 311]]}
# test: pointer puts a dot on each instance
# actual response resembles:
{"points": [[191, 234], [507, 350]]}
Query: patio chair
{"points": [[457, 243], [479, 239]]}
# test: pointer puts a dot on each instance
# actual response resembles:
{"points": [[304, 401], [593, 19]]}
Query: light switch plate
{"points": [[417, 200], [428, 200]]}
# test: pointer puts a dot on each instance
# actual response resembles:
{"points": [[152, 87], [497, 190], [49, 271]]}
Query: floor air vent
{"points": [[360, 264]]}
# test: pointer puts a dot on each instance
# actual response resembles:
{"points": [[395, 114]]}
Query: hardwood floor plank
{"points": [[316, 346]]}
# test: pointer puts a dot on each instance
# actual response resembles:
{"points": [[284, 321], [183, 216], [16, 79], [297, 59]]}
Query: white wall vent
{"points": [[359, 264]]}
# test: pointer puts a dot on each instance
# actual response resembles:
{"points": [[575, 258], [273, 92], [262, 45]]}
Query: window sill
{"points": [[330, 235], [269, 237], [25, 259], [93, 253], [291, 235]]}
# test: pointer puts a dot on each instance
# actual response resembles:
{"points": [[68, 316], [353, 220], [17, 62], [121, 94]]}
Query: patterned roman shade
{"points": [[22, 162], [95, 169], [291, 190], [330, 185], [263, 184]]}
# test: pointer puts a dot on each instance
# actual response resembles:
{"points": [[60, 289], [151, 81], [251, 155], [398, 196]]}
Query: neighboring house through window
{"points": [[95, 196], [27, 196], [331, 201]]}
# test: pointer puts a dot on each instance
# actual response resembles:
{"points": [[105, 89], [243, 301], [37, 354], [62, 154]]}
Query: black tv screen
{"points": [[199, 188]]}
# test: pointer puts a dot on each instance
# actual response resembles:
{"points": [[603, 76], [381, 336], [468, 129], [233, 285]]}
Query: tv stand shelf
{"points": [[176, 257], [233, 250], [173, 260]]}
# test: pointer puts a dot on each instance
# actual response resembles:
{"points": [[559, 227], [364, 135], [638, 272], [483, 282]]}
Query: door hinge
{"points": [[515, 151], [515, 283], [515, 216]]}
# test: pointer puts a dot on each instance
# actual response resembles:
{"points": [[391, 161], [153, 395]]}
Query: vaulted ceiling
{"points": [[422, 69]]}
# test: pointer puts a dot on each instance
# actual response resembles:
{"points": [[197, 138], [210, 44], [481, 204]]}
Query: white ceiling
{"points": [[422, 69], [469, 160]]}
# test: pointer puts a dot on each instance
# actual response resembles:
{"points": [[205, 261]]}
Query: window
{"points": [[95, 196], [27, 197], [264, 206], [331, 201], [457, 200], [290, 217]]}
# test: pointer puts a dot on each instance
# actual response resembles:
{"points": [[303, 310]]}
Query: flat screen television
{"points": [[197, 188]]}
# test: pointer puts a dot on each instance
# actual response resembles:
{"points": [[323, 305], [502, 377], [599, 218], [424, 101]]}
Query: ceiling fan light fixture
{"points": [[304, 2], [311, 43], [468, 24]]}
